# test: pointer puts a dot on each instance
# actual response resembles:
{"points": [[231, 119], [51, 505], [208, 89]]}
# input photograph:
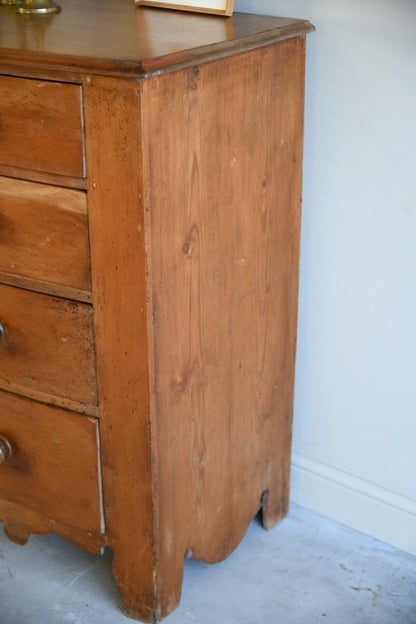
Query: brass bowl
{"points": [[37, 6]]}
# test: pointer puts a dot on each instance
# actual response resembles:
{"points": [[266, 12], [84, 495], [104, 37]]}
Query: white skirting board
{"points": [[354, 502]]}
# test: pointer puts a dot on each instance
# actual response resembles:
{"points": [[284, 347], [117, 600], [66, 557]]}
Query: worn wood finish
{"points": [[49, 345], [19, 522], [45, 287], [185, 355], [55, 452], [223, 264], [41, 126], [43, 176], [44, 238], [130, 40], [112, 108], [88, 409]]}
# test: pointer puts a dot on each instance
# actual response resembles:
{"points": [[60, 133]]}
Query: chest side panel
{"points": [[223, 159]]}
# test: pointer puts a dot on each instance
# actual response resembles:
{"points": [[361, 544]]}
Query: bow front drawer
{"points": [[46, 346], [41, 126], [49, 453]]}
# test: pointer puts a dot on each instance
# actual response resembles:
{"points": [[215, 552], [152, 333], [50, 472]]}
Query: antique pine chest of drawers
{"points": [[150, 196]]}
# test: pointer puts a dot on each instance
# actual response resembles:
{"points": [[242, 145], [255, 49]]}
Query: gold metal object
{"points": [[38, 6], [6, 451], [9, 1]]}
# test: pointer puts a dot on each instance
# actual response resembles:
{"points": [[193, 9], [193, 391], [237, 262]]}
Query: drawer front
{"points": [[46, 345], [54, 468], [44, 235], [41, 126]]}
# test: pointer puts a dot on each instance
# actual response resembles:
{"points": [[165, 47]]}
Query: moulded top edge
{"points": [[115, 36]]}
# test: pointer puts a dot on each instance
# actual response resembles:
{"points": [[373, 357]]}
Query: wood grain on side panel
{"points": [[223, 151]]}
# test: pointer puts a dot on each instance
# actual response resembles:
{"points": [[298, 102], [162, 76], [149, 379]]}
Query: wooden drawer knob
{"points": [[6, 451], [2, 334]]}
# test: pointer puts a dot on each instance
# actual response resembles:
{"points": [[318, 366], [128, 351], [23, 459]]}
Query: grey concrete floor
{"points": [[307, 570]]}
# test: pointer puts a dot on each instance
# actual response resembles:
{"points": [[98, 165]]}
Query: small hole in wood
{"points": [[265, 497]]}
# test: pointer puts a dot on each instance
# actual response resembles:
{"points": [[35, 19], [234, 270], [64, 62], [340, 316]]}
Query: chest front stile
{"points": [[116, 216]]}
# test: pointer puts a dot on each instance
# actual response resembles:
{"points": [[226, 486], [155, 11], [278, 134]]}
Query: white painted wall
{"points": [[354, 450]]}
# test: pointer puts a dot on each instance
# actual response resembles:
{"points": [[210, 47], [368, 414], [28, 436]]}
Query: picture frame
{"points": [[218, 7]]}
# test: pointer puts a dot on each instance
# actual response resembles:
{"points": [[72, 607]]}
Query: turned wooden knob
{"points": [[6, 450], [2, 333]]}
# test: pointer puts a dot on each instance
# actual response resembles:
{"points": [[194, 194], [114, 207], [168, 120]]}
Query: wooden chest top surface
{"points": [[103, 35]]}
